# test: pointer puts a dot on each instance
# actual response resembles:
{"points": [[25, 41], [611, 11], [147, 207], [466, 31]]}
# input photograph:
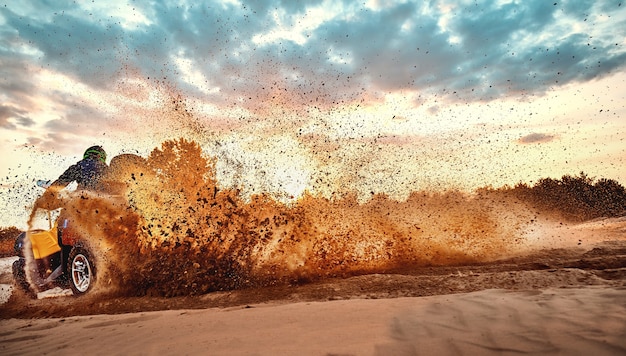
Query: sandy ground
{"points": [[562, 299], [578, 321]]}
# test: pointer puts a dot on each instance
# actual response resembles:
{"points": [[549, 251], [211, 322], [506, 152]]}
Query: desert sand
{"points": [[567, 297], [576, 321]]}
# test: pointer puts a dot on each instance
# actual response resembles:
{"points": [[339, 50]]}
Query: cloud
{"points": [[75, 45], [536, 138], [276, 55], [11, 117], [480, 51], [16, 85]]}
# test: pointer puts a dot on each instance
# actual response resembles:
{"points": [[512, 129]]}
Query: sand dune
{"points": [[578, 321]]}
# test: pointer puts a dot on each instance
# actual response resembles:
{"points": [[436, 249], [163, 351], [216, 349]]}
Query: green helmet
{"points": [[96, 152]]}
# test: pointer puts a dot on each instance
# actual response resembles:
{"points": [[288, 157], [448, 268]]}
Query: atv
{"points": [[59, 258], [53, 257], [61, 254]]}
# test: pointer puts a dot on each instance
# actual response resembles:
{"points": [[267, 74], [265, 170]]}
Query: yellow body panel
{"points": [[44, 242]]}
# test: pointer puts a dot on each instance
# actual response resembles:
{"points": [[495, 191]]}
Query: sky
{"points": [[321, 96]]}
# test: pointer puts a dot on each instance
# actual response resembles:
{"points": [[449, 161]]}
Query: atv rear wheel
{"points": [[81, 270]]}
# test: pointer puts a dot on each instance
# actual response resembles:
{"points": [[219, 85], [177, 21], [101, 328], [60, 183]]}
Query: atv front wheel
{"points": [[81, 269]]}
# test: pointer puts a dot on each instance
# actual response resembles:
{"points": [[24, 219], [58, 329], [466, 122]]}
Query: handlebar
{"points": [[43, 183]]}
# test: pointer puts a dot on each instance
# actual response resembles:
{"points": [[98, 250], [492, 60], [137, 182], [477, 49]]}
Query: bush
{"points": [[576, 198]]}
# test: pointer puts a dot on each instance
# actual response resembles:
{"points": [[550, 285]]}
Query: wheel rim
{"points": [[81, 273]]}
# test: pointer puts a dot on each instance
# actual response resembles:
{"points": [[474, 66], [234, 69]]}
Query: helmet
{"points": [[96, 152]]}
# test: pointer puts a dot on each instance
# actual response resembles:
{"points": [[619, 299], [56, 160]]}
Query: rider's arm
{"points": [[49, 199], [71, 174]]}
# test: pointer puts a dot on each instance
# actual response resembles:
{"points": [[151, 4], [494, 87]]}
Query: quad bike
{"points": [[59, 257]]}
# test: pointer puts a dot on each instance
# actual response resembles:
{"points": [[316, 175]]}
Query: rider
{"points": [[86, 172]]}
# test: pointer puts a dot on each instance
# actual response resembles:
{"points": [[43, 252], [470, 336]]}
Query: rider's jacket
{"points": [[87, 173]]}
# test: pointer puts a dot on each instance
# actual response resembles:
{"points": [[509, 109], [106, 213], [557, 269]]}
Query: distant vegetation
{"points": [[7, 240], [573, 198]]}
